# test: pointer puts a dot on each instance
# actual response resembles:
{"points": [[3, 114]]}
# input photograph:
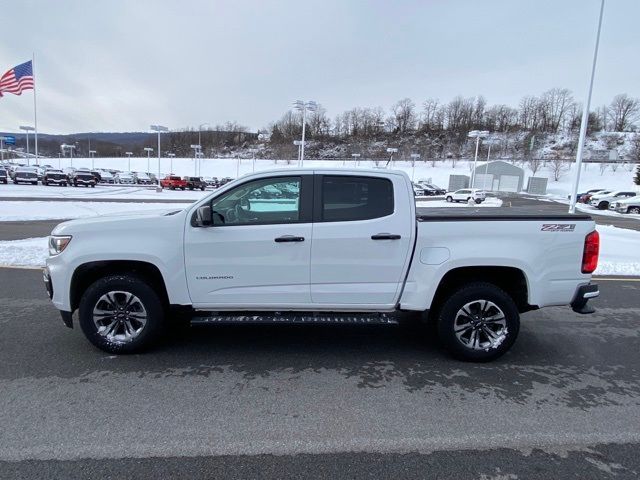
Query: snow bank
{"points": [[618, 253]]}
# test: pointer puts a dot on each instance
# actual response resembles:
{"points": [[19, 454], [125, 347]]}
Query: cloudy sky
{"points": [[119, 65]]}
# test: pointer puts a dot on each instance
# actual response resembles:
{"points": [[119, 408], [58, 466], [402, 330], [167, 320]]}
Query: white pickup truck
{"points": [[320, 246]]}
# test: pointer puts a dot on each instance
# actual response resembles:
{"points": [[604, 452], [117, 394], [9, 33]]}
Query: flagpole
{"points": [[35, 110]]}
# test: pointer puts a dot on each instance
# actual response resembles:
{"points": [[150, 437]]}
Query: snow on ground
{"points": [[592, 175], [489, 202], [618, 252], [52, 210], [133, 192]]}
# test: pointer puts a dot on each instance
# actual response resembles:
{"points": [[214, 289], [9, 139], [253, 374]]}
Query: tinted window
{"points": [[355, 198], [269, 200]]}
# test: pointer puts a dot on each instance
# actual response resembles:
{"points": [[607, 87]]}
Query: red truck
{"points": [[172, 182]]}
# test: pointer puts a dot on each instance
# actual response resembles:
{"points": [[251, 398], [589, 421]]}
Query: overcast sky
{"points": [[122, 65]]}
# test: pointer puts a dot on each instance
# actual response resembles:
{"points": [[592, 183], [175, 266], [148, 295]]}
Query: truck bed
{"points": [[542, 212]]}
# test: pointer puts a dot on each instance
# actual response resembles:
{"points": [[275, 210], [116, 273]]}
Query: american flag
{"points": [[17, 79]]}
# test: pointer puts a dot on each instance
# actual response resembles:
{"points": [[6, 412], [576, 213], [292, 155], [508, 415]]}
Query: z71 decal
{"points": [[558, 227]]}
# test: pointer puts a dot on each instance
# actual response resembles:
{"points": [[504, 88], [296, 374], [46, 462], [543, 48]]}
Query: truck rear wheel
{"points": [[121, 314], [479, 322]]}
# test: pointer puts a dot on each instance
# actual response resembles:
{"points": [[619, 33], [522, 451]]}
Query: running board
{"points": [[221, 318]]}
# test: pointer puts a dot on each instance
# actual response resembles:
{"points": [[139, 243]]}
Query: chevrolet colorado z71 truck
{"points": [[320, 246]]}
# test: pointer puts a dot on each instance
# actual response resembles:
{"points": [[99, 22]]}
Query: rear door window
{"points": [[349, 198]]}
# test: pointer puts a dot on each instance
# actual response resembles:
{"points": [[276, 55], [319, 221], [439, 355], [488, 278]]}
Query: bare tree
{"points": [[404, 116], [623, 111], [559, 167], [534, 164]]}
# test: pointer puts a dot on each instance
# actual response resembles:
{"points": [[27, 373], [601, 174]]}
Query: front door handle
{"points": [[289, 238], [386, 236]]}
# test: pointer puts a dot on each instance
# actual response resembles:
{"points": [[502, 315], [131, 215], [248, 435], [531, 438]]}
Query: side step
{"points": [[295, 318]]}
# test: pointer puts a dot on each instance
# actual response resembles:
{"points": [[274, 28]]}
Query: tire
{"points": [[634, 210], [473, 297], [202, 188], [93, 185], [34, 183], [144, 300], [182, 188], [478, 201], [603, 205], [190, 188], [449, 199], [172, 187], [45, 183]]}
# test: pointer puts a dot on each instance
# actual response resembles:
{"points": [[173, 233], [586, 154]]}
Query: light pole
{"points": [[585, 117], [489, 141], [200, 131], [414, 157], [196, 149], [159, 129], [148, 150], [70, 148], [92, 154], [391, 151], [27, 129], [298, 143], [128, 154], [303, 107], [356, 158], [170, 155], [477, 134]]}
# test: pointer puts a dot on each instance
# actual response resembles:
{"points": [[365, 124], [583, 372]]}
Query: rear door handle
{"points": [[385, 236], [289, 238]]}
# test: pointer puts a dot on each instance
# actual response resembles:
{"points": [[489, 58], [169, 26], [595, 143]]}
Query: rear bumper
{"points": [[582, 296]]}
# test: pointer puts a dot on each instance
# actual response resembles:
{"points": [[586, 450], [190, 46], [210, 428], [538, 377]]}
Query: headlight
{"points": [[57, 243]]}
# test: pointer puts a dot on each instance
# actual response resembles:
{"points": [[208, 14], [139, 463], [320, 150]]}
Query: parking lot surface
{"points": [[278, 401]]}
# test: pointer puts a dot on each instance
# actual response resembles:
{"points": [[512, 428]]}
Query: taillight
{"points": [[591, 251]]}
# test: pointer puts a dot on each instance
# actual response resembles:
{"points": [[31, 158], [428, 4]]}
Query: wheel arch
{"points": [[87, 273], [510, 279]]}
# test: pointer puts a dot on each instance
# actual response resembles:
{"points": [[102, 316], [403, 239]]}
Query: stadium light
{"points": [[159, 129], [303, 107], [477, 134], [585, 117], [196, 149], [64, 147], [391, 150], [148, 150], [27, 129]]}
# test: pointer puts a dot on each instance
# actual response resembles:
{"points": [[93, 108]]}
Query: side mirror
{"points": [[217, 218], [203, 217]]}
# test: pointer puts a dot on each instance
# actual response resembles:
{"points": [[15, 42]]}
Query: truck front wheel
{"points": [[121, 314], [479, 322]]}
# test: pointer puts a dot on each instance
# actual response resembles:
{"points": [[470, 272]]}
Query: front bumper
{"points": [[67, 317], [582, 296]]}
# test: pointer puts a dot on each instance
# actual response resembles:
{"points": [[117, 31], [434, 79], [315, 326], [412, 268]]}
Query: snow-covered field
{"points": [[618, 252], [591, 176], [489, 202], [36, 210]]}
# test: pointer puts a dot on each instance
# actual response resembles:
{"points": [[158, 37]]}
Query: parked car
{"points": [[225, 180], [195, 183], [97, 175], [172, 182], [211, 181], [466, 194], [69, 171], [586, 196], [83, 177], [4, 176], [107, 177], [126, 178], [54, 176], [142, 178], [346, 253], [418, 191], [26, 175], [601, 200], [627, 205], [431, 190]]}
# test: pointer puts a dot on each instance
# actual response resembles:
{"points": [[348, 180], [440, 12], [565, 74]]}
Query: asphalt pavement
{"points": [[318, 401]]}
